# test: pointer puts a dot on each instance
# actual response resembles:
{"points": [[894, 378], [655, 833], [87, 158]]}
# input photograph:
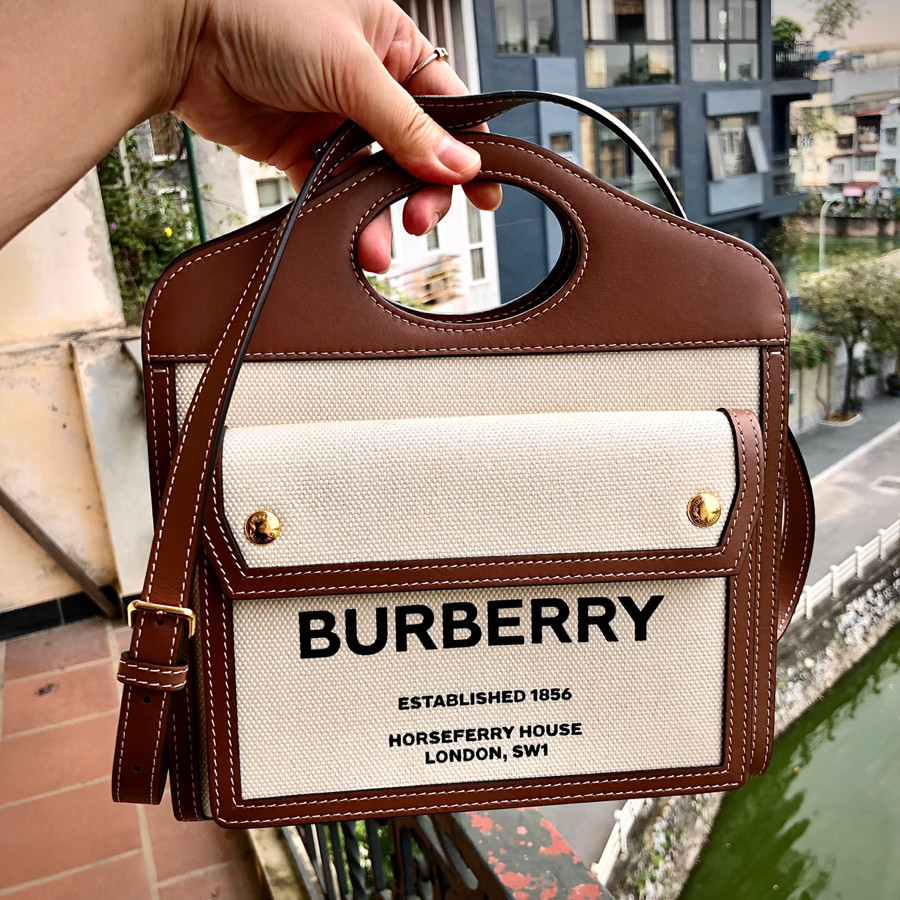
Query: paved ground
{"points": [[61, 836]]}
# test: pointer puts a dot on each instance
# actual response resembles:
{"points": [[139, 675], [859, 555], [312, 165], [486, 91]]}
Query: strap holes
{"points": [[146, 699], [137, 768]]}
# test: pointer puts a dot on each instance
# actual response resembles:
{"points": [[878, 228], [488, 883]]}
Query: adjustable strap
{"points": [[160, 618]]}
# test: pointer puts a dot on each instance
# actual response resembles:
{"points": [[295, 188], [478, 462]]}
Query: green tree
{"points": [[784, 241], [834, 17], [786, 32], [884, 334], [148, 222], [845, 299]]}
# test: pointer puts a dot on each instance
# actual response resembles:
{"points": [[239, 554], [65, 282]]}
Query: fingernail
{"points": [[458, 157]]}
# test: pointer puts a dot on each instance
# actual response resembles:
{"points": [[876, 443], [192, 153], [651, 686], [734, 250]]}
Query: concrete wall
{"points": [[56, 283]]}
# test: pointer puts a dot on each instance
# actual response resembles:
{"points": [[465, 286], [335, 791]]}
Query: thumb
{"points": [[410, 136]]}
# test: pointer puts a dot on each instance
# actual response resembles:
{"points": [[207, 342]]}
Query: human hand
{"points": [[272, 80]]}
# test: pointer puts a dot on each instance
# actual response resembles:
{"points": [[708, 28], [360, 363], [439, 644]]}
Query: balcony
{"points": [[793, 59], [784, 179]]}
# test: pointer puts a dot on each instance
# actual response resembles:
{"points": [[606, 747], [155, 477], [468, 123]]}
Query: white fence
{"points": [[854, 567], [617, 845], [877, 550]]}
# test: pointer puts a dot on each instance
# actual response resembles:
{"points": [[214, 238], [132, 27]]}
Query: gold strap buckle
{"points": [[163, 610]]}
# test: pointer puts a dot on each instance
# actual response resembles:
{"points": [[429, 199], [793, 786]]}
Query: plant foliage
{"points": [[848, 300], [834, 17], [149, 223]]}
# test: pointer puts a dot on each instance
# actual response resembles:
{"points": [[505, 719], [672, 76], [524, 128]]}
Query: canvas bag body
{"points": [[488, 589]]}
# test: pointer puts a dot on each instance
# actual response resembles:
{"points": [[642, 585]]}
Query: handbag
{"points": [[410, 564]]}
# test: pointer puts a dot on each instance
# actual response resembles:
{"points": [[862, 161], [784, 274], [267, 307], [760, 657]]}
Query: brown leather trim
{"points": [[701, 279], [141, 674], [230, 811], [773, 403], [239, 581]]}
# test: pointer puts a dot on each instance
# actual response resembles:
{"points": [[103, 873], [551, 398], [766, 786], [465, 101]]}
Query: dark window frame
{"points": [[726, 42], [670, 42], [524, 54]]}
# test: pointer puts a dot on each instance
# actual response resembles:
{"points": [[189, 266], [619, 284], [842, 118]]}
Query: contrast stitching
{"points": [[164, 702], [156, 670], [153, 431], [378, 301], [698, 555], [193, 751], [684, 226], [781, 404], [406, 795], [137, 682], [496, 351]]}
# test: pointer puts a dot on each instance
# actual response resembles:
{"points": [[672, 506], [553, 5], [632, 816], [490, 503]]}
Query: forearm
{"points": [[75, 77]]}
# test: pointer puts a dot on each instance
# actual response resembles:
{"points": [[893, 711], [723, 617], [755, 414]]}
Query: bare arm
{"points": [[270, 78]]}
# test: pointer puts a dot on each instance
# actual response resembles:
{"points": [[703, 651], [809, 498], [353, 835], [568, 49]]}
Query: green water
{"points": [[824, 821]]}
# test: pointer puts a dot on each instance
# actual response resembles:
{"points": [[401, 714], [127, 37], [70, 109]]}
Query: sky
{"points": [[881, 24]]}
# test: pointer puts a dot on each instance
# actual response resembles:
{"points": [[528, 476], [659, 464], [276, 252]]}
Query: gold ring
{"points": [[438, 54]]}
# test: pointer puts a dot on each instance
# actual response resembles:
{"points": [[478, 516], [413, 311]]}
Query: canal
{"points": [[824, 821]]}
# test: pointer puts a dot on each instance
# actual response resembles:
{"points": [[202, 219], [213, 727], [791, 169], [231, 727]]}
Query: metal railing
{"points": [[852, 569], [784, 179], [467, 855], [617, 843], [793, 59]]}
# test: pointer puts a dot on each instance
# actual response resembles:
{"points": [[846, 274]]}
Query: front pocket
{"points": [[529, 614], [398, 504]]}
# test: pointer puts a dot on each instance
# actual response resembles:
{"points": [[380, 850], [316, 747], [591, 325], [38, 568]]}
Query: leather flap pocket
{"points": [[483, 501]]}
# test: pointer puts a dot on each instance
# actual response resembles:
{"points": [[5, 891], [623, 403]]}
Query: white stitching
{"points": [[461, 351], [774, 594], [156, 670], [685, 226], [293, 804], [712, 553], [163, 708]]}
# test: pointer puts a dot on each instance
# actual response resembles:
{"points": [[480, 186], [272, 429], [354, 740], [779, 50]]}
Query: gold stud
{"points": [[704, 510], [262, 527]]}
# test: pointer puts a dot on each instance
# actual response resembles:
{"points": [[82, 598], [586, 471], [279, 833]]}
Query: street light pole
{"points": [[822, 212]]}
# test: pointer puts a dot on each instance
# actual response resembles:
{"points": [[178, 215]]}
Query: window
{"points": [[525, 26], [433, 239], [724, 36], [476, 250], [735, 147], [628, 42], [889, 169], [890, 137], [865, 163], [844, 142], [273, 193], [608, 157]]}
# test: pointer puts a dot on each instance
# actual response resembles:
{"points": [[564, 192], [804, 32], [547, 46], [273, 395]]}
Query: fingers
{"points": [[374, 245], [388, 112], [424, 209]]}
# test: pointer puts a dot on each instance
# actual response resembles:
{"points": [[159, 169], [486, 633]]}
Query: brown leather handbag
{"points": [[407, 563]]}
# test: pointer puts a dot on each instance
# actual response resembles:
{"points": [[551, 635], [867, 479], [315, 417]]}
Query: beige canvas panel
{"points": [[444, 488], [274, 393], [312, 725]]}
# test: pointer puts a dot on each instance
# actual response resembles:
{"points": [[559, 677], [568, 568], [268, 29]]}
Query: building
{"points": [[698, 80], [847, 131]]}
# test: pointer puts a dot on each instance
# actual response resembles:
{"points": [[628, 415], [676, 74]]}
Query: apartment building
{"points": [[700, 81], [847, 132]]}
